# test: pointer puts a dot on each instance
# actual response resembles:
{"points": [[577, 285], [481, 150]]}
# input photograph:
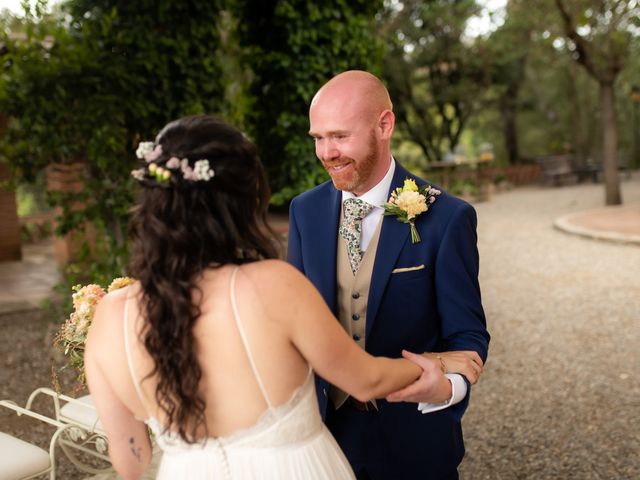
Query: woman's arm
{"points": [[466, 362], [129, 445], [290, 298]]}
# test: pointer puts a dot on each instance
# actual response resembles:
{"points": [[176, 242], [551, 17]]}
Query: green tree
{"points": [[292, 47], [506, 53], [599, 37], [435, 76], [89, 85]]}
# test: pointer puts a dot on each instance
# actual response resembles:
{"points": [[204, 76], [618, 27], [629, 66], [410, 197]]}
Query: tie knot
{"points": [[355, 209]]}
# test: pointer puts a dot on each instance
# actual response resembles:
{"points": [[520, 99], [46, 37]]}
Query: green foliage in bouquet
{"points": [[72, 335]]}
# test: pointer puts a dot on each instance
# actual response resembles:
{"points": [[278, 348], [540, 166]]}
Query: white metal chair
{"points": [[78, 431], [20, 460]]}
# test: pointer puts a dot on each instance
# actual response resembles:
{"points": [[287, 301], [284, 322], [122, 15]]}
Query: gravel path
{"points": [[560, 396]]}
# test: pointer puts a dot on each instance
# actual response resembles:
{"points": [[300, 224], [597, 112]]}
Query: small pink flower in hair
{"points": [[173, 163], [153, 155], [138, 174], [187, 171]]}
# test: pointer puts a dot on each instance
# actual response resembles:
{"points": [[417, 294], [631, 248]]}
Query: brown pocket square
{"points": [[407, 269]]}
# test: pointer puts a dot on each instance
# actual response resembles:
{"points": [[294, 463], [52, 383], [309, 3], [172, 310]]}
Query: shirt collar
{"points": [[378, 194]]}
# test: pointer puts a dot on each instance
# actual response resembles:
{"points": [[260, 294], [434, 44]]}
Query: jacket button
{"points": [[355, 295], [355, 316], [356, 337]]}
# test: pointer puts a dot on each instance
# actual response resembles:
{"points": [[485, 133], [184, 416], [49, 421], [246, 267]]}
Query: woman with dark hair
{"points": [[214, 346]]}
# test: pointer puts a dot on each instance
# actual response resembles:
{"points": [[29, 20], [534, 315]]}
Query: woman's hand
{"points": [[464, 362]]}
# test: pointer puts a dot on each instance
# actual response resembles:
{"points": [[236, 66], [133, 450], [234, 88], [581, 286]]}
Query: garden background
{"points": [[492, 99]]}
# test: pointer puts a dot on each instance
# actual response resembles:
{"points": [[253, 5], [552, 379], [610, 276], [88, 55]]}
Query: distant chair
{"points": [[557, 170], [593, 168], [588, 170], [624, 163]]}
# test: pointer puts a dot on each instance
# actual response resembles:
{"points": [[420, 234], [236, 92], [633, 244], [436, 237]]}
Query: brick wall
{"points": [[68, 178], [10, 248]]}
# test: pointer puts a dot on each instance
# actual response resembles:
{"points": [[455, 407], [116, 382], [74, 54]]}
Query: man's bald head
{"points": [[351, 121], [359, 87]]}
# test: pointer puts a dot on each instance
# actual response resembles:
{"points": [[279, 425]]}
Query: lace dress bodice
{"points": [[288, 441]]}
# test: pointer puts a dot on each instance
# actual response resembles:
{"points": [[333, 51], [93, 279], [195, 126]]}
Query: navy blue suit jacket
{"points": [[437, 308]]}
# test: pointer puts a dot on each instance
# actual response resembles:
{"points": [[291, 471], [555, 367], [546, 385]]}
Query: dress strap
{"points": [[243, 335], [127, 350]]}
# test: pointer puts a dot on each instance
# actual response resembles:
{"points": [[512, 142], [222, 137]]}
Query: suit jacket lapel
{"points": [[325, 244], [393, 236]]}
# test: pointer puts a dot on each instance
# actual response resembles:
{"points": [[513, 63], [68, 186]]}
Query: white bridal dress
{"points": [[288, 441]]}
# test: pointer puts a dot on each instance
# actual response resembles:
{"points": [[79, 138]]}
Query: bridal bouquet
{"points": [[73, 333]]}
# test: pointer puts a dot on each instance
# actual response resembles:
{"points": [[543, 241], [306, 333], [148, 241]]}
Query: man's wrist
{"points": [[458, 392], [446, 390]]}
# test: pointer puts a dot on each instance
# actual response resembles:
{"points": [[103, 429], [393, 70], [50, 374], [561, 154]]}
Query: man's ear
{"points": [[386, 123]]}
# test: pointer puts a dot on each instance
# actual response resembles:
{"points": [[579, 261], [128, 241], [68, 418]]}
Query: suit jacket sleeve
{"points": [[294, 245], [458, 291]]}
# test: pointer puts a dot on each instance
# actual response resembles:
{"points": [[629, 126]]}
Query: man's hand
{"points": [[464, 362], [431, 387]]}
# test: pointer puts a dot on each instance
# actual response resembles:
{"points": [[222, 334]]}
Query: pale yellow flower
{"points": [[411, 202], [119, 283], [88, 294], [410, 185]]}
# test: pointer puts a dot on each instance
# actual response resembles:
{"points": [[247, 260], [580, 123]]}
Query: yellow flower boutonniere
{"points": [[409, 201]]}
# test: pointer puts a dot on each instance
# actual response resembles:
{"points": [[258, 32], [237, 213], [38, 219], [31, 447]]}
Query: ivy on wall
{"points": [[292, 48]]}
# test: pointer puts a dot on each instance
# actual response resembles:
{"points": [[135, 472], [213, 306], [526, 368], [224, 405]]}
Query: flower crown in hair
{"points": [[174, 167]]}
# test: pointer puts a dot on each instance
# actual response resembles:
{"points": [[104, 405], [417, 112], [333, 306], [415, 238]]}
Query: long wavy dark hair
{"points": [[178, 229]]}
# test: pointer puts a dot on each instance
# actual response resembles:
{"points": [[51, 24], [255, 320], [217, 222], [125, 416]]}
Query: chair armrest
{"points": [[30, 413]]}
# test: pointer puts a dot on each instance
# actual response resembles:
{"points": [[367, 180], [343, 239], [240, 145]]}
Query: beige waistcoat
{"points": [[353, 294]]}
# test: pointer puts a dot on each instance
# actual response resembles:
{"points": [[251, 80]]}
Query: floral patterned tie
{"points": [[351, 228]]}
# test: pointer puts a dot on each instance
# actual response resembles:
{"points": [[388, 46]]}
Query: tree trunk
{"points": [[578, 122], [510, 129], [609, 144]]}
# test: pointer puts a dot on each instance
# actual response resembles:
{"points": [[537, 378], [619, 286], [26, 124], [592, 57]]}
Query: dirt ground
{"points": [[26, 361]]}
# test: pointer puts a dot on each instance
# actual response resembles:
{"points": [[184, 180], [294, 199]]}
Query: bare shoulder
{"points": [[271, 271], [109, 311], [278, 283]]}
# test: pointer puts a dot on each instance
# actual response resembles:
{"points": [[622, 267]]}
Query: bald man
{"points": [[389, 293]]}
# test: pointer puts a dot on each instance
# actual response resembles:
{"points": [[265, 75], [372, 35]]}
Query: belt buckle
{"points": [[361, 406]]}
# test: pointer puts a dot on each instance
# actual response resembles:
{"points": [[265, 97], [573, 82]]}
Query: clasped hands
{"points": [[432, 386]]}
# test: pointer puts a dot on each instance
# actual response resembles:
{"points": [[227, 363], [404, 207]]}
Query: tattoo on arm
{"points": [[135, 450]]}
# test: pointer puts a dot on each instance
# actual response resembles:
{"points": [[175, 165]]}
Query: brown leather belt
{"points": [[361, 406]]}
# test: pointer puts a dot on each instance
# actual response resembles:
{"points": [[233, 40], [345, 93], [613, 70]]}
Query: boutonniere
{"points": [[409, 201]]}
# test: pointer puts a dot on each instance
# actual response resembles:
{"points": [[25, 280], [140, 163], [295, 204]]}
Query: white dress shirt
{"points": [[376, 197]]}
